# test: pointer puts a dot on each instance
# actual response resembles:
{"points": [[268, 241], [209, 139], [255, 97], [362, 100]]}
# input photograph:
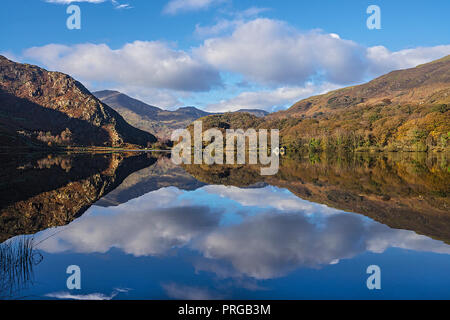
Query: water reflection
{"points": [[404, 191], [260, 240], [41, 191], [209, 232]]}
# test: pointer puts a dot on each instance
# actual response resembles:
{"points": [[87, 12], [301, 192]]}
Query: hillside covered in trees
{"points": [[405, 110]]}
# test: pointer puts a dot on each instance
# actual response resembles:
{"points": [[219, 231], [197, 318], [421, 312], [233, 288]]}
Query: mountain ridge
{"points": [[45, 108], [155, 120], [435, 73]]}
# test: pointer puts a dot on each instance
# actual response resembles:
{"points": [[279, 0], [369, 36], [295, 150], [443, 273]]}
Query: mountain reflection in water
{"points": [[141, 227]]}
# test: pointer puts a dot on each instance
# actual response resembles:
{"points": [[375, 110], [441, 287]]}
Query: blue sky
{"points": [[224, 54]]}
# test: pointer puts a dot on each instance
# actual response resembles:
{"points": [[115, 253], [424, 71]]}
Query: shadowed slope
{"points": [[54, 109]]}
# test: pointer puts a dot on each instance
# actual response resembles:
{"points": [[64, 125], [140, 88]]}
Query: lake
{"points": [[140, 227]]}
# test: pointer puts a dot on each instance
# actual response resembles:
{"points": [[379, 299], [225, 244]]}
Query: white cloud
{"points": [[271, 52], [224, 25], [11, 56], [115, 3], [123, 6], [220, 27], [270, 100], [251, 12], [90, 296], [69, 296], [119, 6], [381, 60], [291, 65], [177, 6], [266, 197], [335, 35], [283, 63], [141, 63]]}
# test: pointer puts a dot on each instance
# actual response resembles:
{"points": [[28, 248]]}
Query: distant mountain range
{"points": [[42, 108], [153, 119], [405, 110], [149, 118]]}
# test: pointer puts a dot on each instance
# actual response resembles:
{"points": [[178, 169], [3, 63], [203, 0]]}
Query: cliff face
{"points": [[51, 108]]}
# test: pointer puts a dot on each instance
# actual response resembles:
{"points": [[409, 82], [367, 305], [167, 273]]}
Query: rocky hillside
{"points": [[43, 108], [423, 85], [150, 118], [153, 119]]}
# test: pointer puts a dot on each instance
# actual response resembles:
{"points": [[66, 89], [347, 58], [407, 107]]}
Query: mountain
{"points": [[42, 108], [405, 110], [425, 84], [254, 112], [153, 119], [192, 112], [150, 118], [402, 110]]}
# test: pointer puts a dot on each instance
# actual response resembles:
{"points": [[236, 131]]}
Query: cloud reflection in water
{"points": [[281, 234]]}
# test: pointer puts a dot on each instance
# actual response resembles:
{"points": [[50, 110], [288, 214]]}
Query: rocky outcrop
{"points": [[38, 107]]}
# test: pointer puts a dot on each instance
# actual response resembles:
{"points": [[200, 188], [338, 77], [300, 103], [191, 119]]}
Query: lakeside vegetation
{"points": [[405, 110], [17, 260]]}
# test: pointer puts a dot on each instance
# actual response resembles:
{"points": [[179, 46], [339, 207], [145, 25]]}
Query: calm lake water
{"points": [[140, 227]]}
